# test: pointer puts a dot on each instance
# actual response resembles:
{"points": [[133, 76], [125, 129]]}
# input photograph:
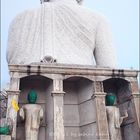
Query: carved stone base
{"points": [[5, 137]]}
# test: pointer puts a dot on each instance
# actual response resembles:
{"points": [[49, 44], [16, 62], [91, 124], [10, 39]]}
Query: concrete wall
{"points": [[71, 111], [86, 110], [49, 113], [79, 110]]}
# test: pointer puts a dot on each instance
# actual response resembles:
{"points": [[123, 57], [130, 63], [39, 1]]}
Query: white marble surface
{"points": [[63, 29]]}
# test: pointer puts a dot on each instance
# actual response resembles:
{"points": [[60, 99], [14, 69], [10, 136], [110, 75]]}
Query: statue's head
{"points": [[110, 99], [32, 97], [78, 1]]}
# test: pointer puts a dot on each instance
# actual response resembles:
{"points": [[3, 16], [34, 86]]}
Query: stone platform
{"points": [[73, 98]]}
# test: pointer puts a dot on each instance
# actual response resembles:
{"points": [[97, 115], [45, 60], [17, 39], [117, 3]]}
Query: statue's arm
{"points": [[123, 117], [104, 51], [21, 113], [41, 114]]}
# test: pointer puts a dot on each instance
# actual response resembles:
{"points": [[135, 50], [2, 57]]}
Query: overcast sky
{"points": [[122, 14]]}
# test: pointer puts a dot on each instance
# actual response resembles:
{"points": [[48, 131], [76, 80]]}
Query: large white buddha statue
{"points": [[64, 30]]}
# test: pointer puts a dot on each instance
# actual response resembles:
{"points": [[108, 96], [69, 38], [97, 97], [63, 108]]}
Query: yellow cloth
{"points": [[15, 105]]}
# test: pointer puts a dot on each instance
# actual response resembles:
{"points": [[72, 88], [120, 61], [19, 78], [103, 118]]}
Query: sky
{"points": [[123, 16]]}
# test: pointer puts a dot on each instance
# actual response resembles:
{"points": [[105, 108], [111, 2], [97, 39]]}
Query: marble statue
{"points": [[114, 122], [79, 1], [64, 30], [32, 114]]}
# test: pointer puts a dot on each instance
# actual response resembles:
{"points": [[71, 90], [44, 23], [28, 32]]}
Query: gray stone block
{"points": [[5, 137]]}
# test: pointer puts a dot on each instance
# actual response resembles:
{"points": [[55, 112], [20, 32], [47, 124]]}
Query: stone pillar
{"points": [[11, 113], [101, 117], [14, 81], [13, 93], [58, 104], [136, 95]]}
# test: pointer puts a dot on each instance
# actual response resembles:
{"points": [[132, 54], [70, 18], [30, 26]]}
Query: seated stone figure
{"points": [[32, 114], [64, 30]]}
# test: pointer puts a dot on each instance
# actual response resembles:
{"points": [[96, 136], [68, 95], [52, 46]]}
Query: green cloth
{"points": [[5, 130], [32, 97], [110, 100]]}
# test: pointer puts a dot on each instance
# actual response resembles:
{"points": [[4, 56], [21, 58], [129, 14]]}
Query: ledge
{"points": [[72, 70]]}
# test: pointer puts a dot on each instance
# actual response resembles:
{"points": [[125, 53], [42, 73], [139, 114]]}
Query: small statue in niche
{"points": [[32, 114], [114, 118]]}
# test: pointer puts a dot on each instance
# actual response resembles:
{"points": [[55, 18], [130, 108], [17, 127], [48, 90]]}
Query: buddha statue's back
{"points": [[64, 30]]}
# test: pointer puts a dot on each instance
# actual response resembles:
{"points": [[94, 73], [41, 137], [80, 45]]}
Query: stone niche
{"points": [[79, 109], [43, 87], [125, 101]]}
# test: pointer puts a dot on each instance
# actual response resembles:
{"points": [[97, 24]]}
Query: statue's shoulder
{"points": [[32, 106], [92, 14], [99, 16], [37, 106], [19, 18]]}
